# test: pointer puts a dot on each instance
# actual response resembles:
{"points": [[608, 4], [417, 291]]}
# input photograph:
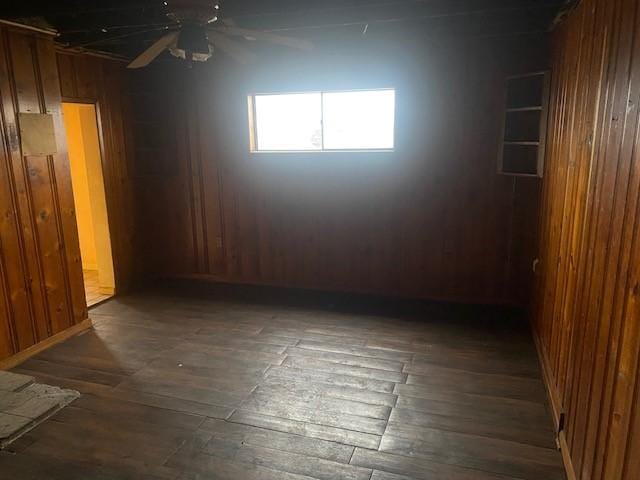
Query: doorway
{"points": [[81, 125]]}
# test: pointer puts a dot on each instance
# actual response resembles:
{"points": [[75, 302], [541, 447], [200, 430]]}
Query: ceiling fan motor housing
{"points": [[199, 12], [193, 38]]}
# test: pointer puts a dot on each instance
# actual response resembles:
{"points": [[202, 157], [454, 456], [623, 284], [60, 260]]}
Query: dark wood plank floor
{"points": [[189, 388]]}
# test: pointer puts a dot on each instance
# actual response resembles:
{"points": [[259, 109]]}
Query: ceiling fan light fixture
{"points": [[202, 57], [176, 52], [193, 39], [195, 56]]}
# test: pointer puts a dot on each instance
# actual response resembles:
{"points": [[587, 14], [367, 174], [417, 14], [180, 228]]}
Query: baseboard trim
{"points": [[556, 407], [24, 355], [566, 457], [213, 278], [554, 401], [107, 290]]}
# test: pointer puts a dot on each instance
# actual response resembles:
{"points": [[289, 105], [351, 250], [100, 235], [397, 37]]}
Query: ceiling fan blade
{"points": [[267, 37], [231, 48], [115, 28], [109, 39], [151, 53]]}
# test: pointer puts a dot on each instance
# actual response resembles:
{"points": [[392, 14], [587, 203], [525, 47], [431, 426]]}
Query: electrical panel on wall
{"points": [[37, 134], [524, 128]]}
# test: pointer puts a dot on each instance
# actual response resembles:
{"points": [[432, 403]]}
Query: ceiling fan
{"points": [[195, 34]]}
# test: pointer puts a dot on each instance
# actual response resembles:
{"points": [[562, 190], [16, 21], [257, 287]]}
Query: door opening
{"points": [[85, 158]]}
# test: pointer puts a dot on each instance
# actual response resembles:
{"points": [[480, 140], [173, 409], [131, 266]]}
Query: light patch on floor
{"points": [[25, 404], [92, 288]]}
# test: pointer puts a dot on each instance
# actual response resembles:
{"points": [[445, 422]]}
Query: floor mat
{"points": [[25, 404]]}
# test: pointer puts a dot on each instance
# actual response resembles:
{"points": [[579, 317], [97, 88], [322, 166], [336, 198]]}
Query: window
{"points": [[323, 121]]}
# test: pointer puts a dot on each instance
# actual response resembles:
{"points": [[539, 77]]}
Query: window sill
{"points": [[316, 152]]}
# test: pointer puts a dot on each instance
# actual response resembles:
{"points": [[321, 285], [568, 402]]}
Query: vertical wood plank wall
{"points": [[587, 312], [91, 79], [432, 220], [41, 287]]}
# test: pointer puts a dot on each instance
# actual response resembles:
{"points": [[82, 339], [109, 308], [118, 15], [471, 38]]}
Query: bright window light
{"points": [[359, 120], [323, 121], [288, 122]]}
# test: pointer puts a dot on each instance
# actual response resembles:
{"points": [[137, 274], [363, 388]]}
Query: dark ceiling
{"points": [[115, 26]]}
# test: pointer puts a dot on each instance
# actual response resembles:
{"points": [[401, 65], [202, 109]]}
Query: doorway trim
{"points": [[107, 193]]}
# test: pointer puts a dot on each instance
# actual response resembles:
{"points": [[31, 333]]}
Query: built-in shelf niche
{"points": [[524, 128]]}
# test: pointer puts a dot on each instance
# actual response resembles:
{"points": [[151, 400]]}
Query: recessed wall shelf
{"points": [[524, 128]]}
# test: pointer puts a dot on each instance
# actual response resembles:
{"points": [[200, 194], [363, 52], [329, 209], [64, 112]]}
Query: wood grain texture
{"points": [[92, 79], [153, 405], [431, 220], [586, 297], [41, 288]]}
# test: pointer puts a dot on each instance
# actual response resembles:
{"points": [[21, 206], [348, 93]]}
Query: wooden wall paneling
{"points": [[590, 69], [31, 324], [18, 324], [265, 248], [606, 239], [625, 353], [43, 196], [210, 185], [397, 224], [129, 273], [566, 149], [555, 212], [66, 76], [624, 218], [100, 80], [620, 376], [162, 133], [632, 462], [188, 175], [7, 342], [60, 172], [523, 237], [186, 230], [571, 117], [573, 83], [246, 220], [192, 173], [586, 165], [42, 292], [7, 336], [91, 79], [118, 176], [193, 145], [576, 303], [585, 309], [207, 182], [230, 202], [584, 285], [90, 83]]}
